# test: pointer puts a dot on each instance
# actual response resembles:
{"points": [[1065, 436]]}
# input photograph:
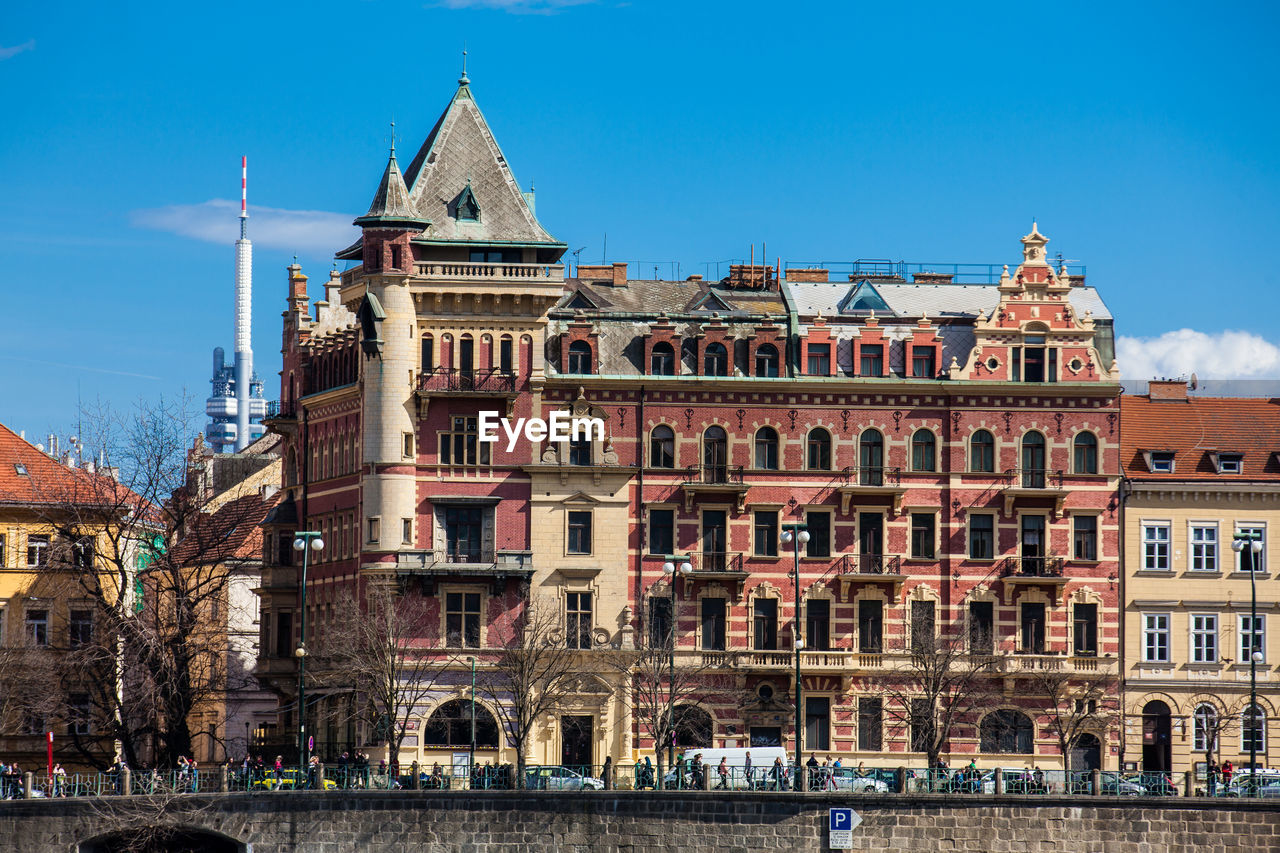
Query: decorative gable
{"points": [[465, 206], [864, 297]]}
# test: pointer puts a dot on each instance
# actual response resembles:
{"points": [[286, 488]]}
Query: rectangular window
{"points": [[38, 627], [464, 535], [819, 359], [872, 360], [1253, 730], [461, 445], [1162, 462], [375, 529], [78, 714], [766, 533], [922, 539], [981, 627], [428, 354], [923, 627], [870, 724], [81, 628], [506, 364], [1085, 537], [662, 532], [659, 633], [1253, 637], [1204, 548], [284, 634], [817, 635], [922, 724], [82, 552], [578, 620], [1251, 561], [2, 563], [1230, 463], [579, 451], [1155, 637], [407, 451], [1084, 632], [982, 537], [1204, 638], [462, 620], [37, 550], [765, 618], [817, 722], [870, 627], [579, 532], [1033, 615], [713, 618], [406, 531], [819, 534], [923, 363], [1155, 547]]}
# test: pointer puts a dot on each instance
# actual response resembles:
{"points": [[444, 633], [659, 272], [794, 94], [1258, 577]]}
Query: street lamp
{"points": [[799, 533], [1251, 539], [472, 766], [300, 542], [669, 568]]}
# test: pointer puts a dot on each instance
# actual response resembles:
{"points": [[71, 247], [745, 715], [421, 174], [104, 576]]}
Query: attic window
{"points": [[580, 301], [20, 468], [468, 208], [1160, 461], [1229, 463]]}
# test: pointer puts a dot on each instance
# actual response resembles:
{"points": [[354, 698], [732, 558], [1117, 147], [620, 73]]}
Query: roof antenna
{"points": [[464, 79]]}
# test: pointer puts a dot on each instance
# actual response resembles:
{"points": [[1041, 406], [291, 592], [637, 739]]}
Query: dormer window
{"points": [[468, 208], [1160, 461], [20, 469], [1228, 463]]}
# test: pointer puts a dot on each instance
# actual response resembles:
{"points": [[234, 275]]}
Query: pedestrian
{"points": [[279, 771], [777, 772], [723, 771], [646, 779], [1227, 771], [698, 776], [862, 770], [607, 772], [812, 765], [749, 772], [59, 781], [1211, 777]]}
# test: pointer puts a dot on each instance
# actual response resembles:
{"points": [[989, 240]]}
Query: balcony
{"points": [[871, 481], [868, 568], [716, 481], [1034, 571], [282, 417], [1032, 486], [713, 565], [451, 380], [427, 566], [462, 271]]}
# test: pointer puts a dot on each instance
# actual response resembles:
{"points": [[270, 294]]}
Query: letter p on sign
{"points": [[841, 824]]}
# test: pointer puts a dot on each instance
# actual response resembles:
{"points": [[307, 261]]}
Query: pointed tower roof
{"points": [[391, 205], [461, 154]]}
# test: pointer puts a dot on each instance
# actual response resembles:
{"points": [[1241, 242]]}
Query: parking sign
{"points": [[840, 825]]}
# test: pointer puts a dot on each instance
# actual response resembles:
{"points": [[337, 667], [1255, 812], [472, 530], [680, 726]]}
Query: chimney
{"points": [[814, 274], [1167, 389], [619, 274]]}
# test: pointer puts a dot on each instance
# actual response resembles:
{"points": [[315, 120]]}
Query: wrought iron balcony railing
{"points": [[714, 475], [1033, 478], [717, 561], [1031, 567], [450, 379], [869, 564], [871, 475]]}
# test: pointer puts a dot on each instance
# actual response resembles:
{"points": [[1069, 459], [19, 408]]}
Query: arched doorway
{"points": [[149, 838], [1086, 753], [1157, 741]]}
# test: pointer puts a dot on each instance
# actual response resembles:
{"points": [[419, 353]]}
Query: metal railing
{"points": [[487, 380], [714, 474], [869, 564], [884, 268], [1033, 478], [717, 561], [871, 475], [1031, 567]]}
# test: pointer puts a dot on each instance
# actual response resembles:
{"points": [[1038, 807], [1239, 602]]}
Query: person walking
{"points": [[723, 771], [607, 773], [59, 781], [749, 772], [777, 772], [1227, 772], [1211, 777]]}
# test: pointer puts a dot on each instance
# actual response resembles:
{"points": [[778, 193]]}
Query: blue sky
{"points": [[1142, 138]]}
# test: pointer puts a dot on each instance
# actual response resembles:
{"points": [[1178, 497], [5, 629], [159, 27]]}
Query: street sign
{"points": [[841, 824]]}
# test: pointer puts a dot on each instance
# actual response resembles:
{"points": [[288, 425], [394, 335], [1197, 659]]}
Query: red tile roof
{"points": [[1193, 427], [28, 476], [231, 533]]}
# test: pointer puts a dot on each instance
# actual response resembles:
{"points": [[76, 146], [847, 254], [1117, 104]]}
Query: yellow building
{"points": [[1200, 473]]}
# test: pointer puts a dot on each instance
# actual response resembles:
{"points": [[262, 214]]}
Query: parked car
{"points": [[847, 779], [288, 781], [560, 779], [1115, 785], [1243, 783]]}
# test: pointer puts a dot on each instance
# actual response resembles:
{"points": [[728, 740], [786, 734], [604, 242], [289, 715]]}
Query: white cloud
{"points": [[1225, 355], [11, 52], [217, 221], [533, 7]]}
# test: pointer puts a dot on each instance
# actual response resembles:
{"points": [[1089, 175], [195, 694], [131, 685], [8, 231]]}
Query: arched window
{"points": [[450, 725], [715, 454], [580, 357], [1253, 729], [1085, 456], [1033, 459], [662, 447], [1204, 727], [1008, 732], [693, 727], [982, 452], [923, 451], [818, 450], [766, 360], [871, 458], [767, 449], [716, 360], [662, 361]]}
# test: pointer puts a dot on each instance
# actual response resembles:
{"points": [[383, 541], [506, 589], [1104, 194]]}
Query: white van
{"points": [[761, 777]]}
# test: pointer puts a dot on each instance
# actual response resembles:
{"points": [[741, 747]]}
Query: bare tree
{"points": [[941, 683], [385, 651], [1076, 704], [159, 822], [532, 673]]}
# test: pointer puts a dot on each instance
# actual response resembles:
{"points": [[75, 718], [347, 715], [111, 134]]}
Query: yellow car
{"points": [[288, 781]]}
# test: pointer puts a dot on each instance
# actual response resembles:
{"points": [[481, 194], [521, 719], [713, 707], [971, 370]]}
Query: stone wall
{"points": [[639, 822]]}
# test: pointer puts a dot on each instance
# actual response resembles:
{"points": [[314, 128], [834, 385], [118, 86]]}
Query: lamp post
{"points": [[670, 568], [302, 539], [472, 766], [1239, 542], [799, 534]]}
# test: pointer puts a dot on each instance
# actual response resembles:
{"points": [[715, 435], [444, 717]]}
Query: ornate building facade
{"points": [[951, 450]]}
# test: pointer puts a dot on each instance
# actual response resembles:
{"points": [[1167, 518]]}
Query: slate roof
{"points": [[1195, 426], [391, 201], [653, 297], [937, 300], [461, 150]]}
